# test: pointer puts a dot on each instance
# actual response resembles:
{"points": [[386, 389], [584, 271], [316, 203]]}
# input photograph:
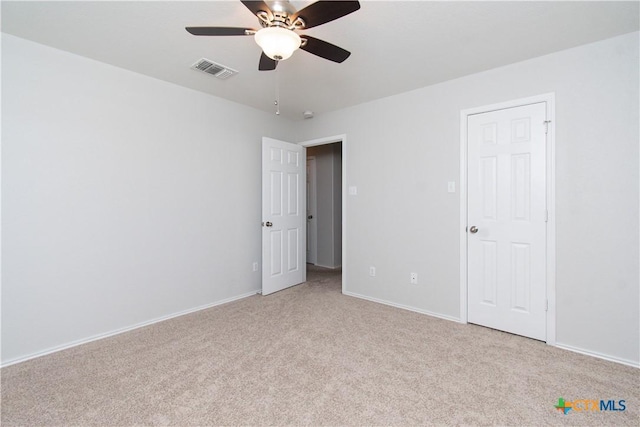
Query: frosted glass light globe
{"points": [[277, 43]]}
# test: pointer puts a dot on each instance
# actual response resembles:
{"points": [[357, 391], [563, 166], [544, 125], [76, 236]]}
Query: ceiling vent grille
{"points": [[217, 70]]}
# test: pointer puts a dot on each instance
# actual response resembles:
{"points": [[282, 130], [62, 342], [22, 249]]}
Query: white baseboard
{"points": [[607, 357], [404, 307], [326, 266], [122, 330]]}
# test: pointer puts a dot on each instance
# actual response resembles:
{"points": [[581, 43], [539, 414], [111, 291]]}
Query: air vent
{"points": [[217, 70]]}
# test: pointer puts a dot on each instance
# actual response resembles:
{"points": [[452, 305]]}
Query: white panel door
{"points": [[283, 215], [506, 229], [312, 215]]}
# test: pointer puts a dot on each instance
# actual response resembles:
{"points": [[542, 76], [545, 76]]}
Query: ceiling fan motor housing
{"points": [[282, 12]]}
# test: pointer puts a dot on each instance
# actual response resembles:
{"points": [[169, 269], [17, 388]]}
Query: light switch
{"points": [[451, 186], [353, 190]]}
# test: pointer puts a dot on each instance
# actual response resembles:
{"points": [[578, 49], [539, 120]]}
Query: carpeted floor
{"points": [[309, 355]]}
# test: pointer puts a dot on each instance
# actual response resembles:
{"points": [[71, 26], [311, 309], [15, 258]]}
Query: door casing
{"points": [[549, 99], [312, 225]]}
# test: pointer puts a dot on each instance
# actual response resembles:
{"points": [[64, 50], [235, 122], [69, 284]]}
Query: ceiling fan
{"points": [[280, 21]]}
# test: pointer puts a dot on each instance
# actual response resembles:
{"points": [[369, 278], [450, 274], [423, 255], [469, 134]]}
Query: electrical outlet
{"points": [[372, 271], [255, 266], [414, 278]]}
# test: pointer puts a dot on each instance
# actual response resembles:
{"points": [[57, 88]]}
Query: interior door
{"points": [[506, 229], [312, 214], [283, 215]]}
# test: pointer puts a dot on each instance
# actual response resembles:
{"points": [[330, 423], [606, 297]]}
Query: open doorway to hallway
{"points": [[324, 212]]}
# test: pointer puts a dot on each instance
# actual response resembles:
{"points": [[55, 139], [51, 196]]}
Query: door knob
{"points": [[269, 224], [473, 229], [310, 217]]}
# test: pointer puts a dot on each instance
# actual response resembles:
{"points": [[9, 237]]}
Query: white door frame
{"points": [[330, 140], [312, 198], [549, 98]]}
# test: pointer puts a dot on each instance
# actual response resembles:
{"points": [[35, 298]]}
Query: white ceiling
{"points": [[396, 46]]}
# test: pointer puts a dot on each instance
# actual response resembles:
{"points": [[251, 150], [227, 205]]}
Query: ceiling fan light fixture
{"points": [[278, 43]]}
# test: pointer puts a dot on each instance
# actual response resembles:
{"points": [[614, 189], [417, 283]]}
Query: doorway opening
{"points": [[325, 214], [284, 218]]}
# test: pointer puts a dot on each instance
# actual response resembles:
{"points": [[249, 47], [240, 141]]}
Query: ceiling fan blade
{"points": [[324, 49], [218, 31], [257, 6], [321, 12], [266, 63]]}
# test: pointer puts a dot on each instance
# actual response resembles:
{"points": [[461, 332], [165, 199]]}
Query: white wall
{"points": [[402, 150], [125, 198], [328, 203], [337, 204], [113, 212]]}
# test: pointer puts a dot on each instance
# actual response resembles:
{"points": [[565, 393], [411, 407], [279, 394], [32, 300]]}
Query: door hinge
{"points": [[546, 305], [546, 126], [546, 215]]}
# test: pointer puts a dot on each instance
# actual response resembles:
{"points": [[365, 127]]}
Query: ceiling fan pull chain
{"points": [[277, 101]]}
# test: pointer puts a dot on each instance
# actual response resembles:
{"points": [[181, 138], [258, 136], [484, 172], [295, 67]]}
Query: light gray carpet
{"points": [[312, 356]]}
